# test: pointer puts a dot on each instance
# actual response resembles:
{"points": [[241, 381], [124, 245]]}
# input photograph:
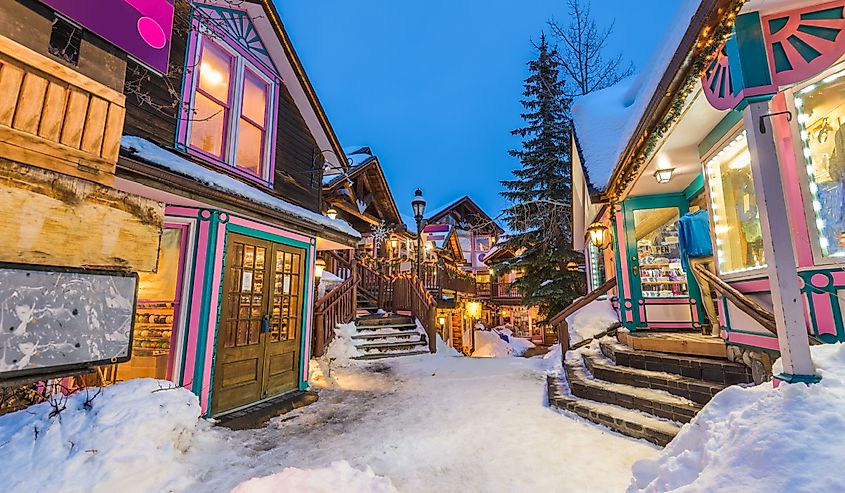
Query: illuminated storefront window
{"points": [[739, 237], [659, 253], [821, 112]]}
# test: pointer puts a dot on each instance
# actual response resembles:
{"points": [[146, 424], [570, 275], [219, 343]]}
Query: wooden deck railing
{"points": [[759, 314], [559, 320], [338, 306], [338, 264], [439, 279], [410, 294]]}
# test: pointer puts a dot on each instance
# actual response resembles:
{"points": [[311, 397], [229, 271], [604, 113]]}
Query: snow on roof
{"points": [[158, 156], [606, 120]]}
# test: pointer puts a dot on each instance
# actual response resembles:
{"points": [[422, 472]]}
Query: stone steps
{"points": [[698, 391], [654, 402], [621, 420], [710, 369]]}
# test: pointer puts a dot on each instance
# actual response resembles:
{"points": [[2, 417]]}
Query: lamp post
{"points": [[418, 204]]}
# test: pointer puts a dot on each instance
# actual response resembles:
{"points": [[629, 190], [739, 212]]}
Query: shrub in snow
{"points": [[788, 439], [590, 320], [130, 437], [340, 476]]}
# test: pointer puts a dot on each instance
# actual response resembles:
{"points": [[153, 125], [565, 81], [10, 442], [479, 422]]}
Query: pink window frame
{"points": [[227, 105], [248, 72], [190, 83]]}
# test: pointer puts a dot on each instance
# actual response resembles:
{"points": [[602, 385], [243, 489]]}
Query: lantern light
{"points": [[332, 213], [571, 266], [319, 267], [600, 235], [664, 175], [441, 321], [473, 309], [394, 244]]}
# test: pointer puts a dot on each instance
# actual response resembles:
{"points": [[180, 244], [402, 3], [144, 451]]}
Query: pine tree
{"points": [[540, 193]]}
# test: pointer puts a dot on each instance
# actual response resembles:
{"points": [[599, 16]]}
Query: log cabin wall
{"points": [[153, 103]]}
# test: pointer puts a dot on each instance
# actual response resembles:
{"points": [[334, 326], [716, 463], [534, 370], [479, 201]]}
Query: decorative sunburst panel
{"points": [[718, 85], [237, 25]]}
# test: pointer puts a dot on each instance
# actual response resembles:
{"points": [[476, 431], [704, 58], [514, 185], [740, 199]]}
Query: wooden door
{"points": [[239, 366], [258, 350], [282, 352]]}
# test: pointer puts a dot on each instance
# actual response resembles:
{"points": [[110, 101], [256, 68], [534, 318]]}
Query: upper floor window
{"points": [[231, 89]]}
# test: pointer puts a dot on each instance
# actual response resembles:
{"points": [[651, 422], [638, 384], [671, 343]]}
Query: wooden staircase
{"points": [[388, 336], [646, 394]]}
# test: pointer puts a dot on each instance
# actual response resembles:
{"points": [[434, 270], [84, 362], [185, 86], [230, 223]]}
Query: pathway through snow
{"points": [[433, 423]]}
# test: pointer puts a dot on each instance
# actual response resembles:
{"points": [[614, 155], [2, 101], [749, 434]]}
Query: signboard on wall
{"points": [[59, 320], [141, 28]]}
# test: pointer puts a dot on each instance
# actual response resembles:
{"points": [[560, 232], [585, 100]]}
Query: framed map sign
{"points": [[55, 320], [141, 28]]}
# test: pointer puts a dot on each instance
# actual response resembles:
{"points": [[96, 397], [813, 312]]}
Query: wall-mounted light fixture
{"points": [[599, 235], [332, 213]]}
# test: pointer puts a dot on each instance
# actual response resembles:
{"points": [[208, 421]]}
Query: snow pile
{"points": [[489, 345], [606, 120], [131, 437], [158, 156], [590, 320], [340, 476], [342, 348], [444, 349], [520, 345], [759, 439]]}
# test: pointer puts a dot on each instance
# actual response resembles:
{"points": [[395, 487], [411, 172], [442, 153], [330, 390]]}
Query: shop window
{"points": [[821, 113], [659, 253], [231, 101], [597, 273], [736, 220]]}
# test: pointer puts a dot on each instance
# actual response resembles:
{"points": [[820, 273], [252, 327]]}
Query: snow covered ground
{"points": [[416, 424]]}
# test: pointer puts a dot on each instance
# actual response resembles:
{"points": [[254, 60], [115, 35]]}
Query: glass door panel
{"points": [[658, 253]]}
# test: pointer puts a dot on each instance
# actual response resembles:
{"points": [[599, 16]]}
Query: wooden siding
{"points": [[55, 118], [53, 219], [152, 114]]}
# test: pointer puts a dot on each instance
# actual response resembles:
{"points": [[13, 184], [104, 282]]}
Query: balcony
{"points": [[55, 118], [439, 278], [500, 293]]}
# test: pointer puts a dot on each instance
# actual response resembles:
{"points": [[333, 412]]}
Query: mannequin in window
{"points": [[697, 250]]}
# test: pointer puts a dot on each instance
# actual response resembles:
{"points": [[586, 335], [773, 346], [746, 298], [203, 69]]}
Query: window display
{"points": [[821, 113], [739, 236], [659, 253]]}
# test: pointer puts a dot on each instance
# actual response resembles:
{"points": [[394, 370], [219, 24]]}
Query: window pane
{"points": [[255, 99], [250, 140], [209, 119], [739, 238], [659, 253], [820, 113], [215, 71]]}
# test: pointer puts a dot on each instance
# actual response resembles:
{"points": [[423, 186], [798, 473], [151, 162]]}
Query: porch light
{"points": [[394, 244], [571, 266], [600, 235], [473, 309], [664, 175], [441, 321], [331, 213], [319, 267]]}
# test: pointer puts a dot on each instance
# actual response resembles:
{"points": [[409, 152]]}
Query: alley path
{"points": [[432, 423]]}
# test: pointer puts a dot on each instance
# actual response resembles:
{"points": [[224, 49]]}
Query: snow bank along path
{"points": [[416, 424]]}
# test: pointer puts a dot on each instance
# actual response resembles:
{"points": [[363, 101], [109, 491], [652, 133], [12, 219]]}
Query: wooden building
{"points": [[233, 141]]}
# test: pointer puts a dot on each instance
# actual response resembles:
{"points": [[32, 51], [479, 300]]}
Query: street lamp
{"points": [[418, 204]]}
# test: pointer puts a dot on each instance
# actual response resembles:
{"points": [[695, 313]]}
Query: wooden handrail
{"points": [[760, 315], [559, 320], [410, 294], [338, 306]]}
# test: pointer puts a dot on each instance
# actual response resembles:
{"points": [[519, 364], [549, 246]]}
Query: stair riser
{"points": [[631, 429], [674, 412], [389, 355], [394, 347], [716, 371], [694, 392], [381, 322]]}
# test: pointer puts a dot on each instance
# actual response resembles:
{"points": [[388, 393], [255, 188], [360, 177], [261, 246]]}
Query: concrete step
{"points": [[696, 390], [709, 369], [621, 420], [391, 346], [654, 402], [389, 355]]}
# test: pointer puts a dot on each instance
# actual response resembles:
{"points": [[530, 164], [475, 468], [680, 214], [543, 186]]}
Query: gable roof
{"points": [[465, 201], [366, 167], [610, 123]]}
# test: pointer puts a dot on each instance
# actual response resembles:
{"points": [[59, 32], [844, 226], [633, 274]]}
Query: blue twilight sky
{"points": [[434, 86]]}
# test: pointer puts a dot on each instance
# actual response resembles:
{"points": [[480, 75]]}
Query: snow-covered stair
{"points": [[388, 336], [643, 394]]}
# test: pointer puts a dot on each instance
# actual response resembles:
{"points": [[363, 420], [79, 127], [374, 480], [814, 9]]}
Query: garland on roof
{"points": [[708, 46]]}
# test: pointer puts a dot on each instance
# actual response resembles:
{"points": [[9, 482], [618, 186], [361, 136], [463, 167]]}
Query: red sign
{"points": [[141, 28]]}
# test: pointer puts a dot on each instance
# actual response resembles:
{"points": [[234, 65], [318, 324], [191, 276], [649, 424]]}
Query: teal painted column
{"points": [[213, 217]]}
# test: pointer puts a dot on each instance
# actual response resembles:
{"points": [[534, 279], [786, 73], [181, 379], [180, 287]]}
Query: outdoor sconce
{"points": [[394, 244], [473, 309], [319, 267], [664, 175], [332, 213], [571, 266], [441, 321], [600, 236]]}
